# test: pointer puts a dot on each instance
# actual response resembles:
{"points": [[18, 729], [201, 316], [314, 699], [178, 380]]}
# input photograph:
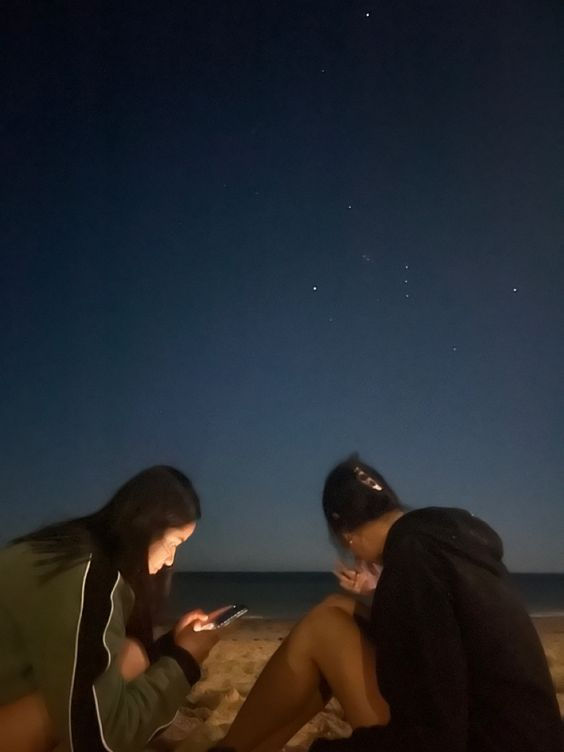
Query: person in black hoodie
{"points": [[446, 660]]}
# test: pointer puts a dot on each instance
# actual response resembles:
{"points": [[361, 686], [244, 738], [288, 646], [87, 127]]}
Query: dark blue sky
{"points": [[248, 238]]}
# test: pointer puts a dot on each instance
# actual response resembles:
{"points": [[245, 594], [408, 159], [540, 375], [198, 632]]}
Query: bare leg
{"points": [[326, 645], [26, 726], [279, 738]]}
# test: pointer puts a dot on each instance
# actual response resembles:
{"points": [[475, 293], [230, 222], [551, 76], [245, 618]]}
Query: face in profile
{"points": [[163, 549], [366, 542]]}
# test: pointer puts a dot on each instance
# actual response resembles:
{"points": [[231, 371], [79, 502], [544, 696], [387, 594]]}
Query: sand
{"points": [[231, 670], [551, 631]]}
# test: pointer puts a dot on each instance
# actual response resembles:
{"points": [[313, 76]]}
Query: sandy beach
{"points": [[232, 668]]}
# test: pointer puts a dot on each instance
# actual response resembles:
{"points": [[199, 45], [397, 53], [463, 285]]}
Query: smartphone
{"points": [[227, 616]]}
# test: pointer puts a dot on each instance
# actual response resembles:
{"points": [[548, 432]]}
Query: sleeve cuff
{"points": [[166, 645]]}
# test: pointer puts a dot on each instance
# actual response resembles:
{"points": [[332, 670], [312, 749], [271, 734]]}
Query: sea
{"points": [[288, 595]]}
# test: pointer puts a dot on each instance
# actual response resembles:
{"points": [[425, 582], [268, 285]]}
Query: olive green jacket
{"points": [[63, 637]]}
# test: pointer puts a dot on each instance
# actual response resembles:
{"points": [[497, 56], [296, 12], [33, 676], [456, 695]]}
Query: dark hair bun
{"points": [[355, 493]]}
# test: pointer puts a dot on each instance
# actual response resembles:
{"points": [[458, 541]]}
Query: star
{"points": [[349, 206], [515, 289], [453, 348], [314, 288], [367, 15]]}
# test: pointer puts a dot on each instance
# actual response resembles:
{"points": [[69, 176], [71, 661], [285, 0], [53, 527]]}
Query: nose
{"points": [[169, 561]]}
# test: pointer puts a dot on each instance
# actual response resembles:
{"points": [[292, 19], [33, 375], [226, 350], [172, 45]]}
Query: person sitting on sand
{"points": [[445, 660], [79, 669]]}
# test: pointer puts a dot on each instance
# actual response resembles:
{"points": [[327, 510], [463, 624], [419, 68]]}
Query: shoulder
{"points": [[48, 571], [427, 520], [16, 552], [419, 531], [443, 533], [102, 580], [17, 565], [420, 518]]}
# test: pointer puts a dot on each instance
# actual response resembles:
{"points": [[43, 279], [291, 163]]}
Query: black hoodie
{"points": [[458, 658]]}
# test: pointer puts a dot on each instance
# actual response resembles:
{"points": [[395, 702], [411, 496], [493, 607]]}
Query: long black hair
{"points": [[355, 493], [154, 500]]}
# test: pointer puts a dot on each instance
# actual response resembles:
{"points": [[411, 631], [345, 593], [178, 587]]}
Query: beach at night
{"points": [[278, 599], [282, 313], [236, 661]]}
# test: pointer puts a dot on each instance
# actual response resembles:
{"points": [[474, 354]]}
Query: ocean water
{"points": [[288, 595]]}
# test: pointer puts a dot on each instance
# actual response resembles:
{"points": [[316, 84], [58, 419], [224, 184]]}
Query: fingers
{"points": [[345, 572], [198, 625], [201, 627], [349, 574], [192, 617], [214, 614], [206, 622], [340, 566], [362, 579], [367, 584], [348, 583]]}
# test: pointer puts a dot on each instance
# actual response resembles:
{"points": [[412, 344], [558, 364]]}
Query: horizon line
{"points": [[311, 571]]}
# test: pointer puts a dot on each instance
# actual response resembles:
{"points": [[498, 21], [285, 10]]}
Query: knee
{"points": [[337, 600], [331, 608], [325, 621]]}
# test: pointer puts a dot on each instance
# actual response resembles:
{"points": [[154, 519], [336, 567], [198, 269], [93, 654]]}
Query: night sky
{"points": [[249, 238]]}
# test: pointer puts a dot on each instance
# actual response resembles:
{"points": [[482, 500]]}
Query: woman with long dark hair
{"points": [[79, 667], [445, 660]]}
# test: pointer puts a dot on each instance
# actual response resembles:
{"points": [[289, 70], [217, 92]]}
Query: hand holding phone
{"points": [[187, 632], [221, 618], [198, 644]]}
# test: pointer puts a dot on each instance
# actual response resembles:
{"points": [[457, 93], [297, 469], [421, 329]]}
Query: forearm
{"points": [[130, 714]]}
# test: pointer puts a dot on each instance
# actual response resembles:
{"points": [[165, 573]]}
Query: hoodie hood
{"points": [[454, 531]]}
